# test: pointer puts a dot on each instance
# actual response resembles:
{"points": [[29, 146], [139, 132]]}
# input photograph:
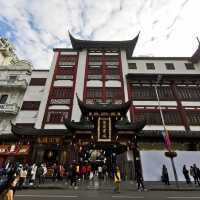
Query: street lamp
{"points": [[170, 153]]}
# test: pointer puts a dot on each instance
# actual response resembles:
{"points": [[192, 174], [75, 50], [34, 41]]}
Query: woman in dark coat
{"points": [[7, 189], [165, 176], [186, 174]]}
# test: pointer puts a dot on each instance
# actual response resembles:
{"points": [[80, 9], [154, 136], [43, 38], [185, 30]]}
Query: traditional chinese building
{"points": [[105, 75]]}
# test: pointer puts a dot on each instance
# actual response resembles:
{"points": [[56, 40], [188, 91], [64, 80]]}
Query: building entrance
{"points": [[104, 157], [51, 156]]}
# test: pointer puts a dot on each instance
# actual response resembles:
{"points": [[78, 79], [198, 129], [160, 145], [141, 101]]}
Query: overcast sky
{"points": [[35, 27]]}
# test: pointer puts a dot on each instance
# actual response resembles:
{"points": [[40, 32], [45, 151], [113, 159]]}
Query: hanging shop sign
{"points": [[13, 149], [104, 129], [49, 140]]}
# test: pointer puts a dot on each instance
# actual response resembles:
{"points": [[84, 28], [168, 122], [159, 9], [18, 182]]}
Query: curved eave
{"points": [[86, 108], [135, 127], [128, 45], [7, 137], [196, 56], [78, 126], [29, 131]]}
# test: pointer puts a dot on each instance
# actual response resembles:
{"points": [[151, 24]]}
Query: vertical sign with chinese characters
{"points": [[104, 129]]}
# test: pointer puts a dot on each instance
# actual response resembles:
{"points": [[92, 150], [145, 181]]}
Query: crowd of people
{"points": [[36, 174], [193, 172], [17, 175]]}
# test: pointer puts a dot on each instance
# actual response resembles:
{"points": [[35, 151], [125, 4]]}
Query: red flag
{"points": [[167, 141]]}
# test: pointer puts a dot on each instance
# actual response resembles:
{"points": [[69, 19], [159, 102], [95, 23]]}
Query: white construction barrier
{"points": [[152, 162]]}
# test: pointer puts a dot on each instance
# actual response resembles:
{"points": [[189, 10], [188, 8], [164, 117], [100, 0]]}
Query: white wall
{"points": [[34, 93], [160, 67], [152, 162], [46, 92], [79, 85], [94, 83], [54, 126], [154, 103], [26, 116], [40, 74], [160, 127]]}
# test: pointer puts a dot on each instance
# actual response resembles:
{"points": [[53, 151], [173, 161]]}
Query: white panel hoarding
{"points": [[152, 162]]}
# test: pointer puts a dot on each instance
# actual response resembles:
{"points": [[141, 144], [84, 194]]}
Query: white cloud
{"points": [[168, 27]]}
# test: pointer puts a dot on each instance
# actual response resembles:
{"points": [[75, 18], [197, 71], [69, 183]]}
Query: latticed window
{"points": [[193, 117], [94, 71], [67, 60], [56, 116], [172, 117], [112, 71], [165, 92], [65, 71], [112, 58], [148, 93], [143, 93], [95, 59], [189, 93], [94, 92], [115, 93], [62, 92], [154, 117]]}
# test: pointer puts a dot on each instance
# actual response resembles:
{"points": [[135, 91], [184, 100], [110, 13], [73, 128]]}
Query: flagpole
{"points": [[163, 122]]}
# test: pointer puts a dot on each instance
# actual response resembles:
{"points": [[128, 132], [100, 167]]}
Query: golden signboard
{"points": [[49, 140], [104, 129]]}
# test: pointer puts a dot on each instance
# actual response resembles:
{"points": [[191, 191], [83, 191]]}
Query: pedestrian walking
{"points": [[117, 179], [7, 190], [33, 173], [165, 176], [39, 173], [73, 180], [55, 172], [22, 174], [186, 174], [139, 180], [195, 174], [44, 172]]}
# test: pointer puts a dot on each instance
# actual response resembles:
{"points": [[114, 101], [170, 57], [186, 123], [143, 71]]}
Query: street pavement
{"points": [[60, 194], [125, 186], [104, 191]]}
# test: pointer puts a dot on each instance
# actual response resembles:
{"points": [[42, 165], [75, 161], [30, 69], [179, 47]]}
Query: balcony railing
{"points": [[22, 84], [9, 108]]}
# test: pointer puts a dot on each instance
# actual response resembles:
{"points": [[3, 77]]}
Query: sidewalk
{"points": [[182, 186], [125, 186]]}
